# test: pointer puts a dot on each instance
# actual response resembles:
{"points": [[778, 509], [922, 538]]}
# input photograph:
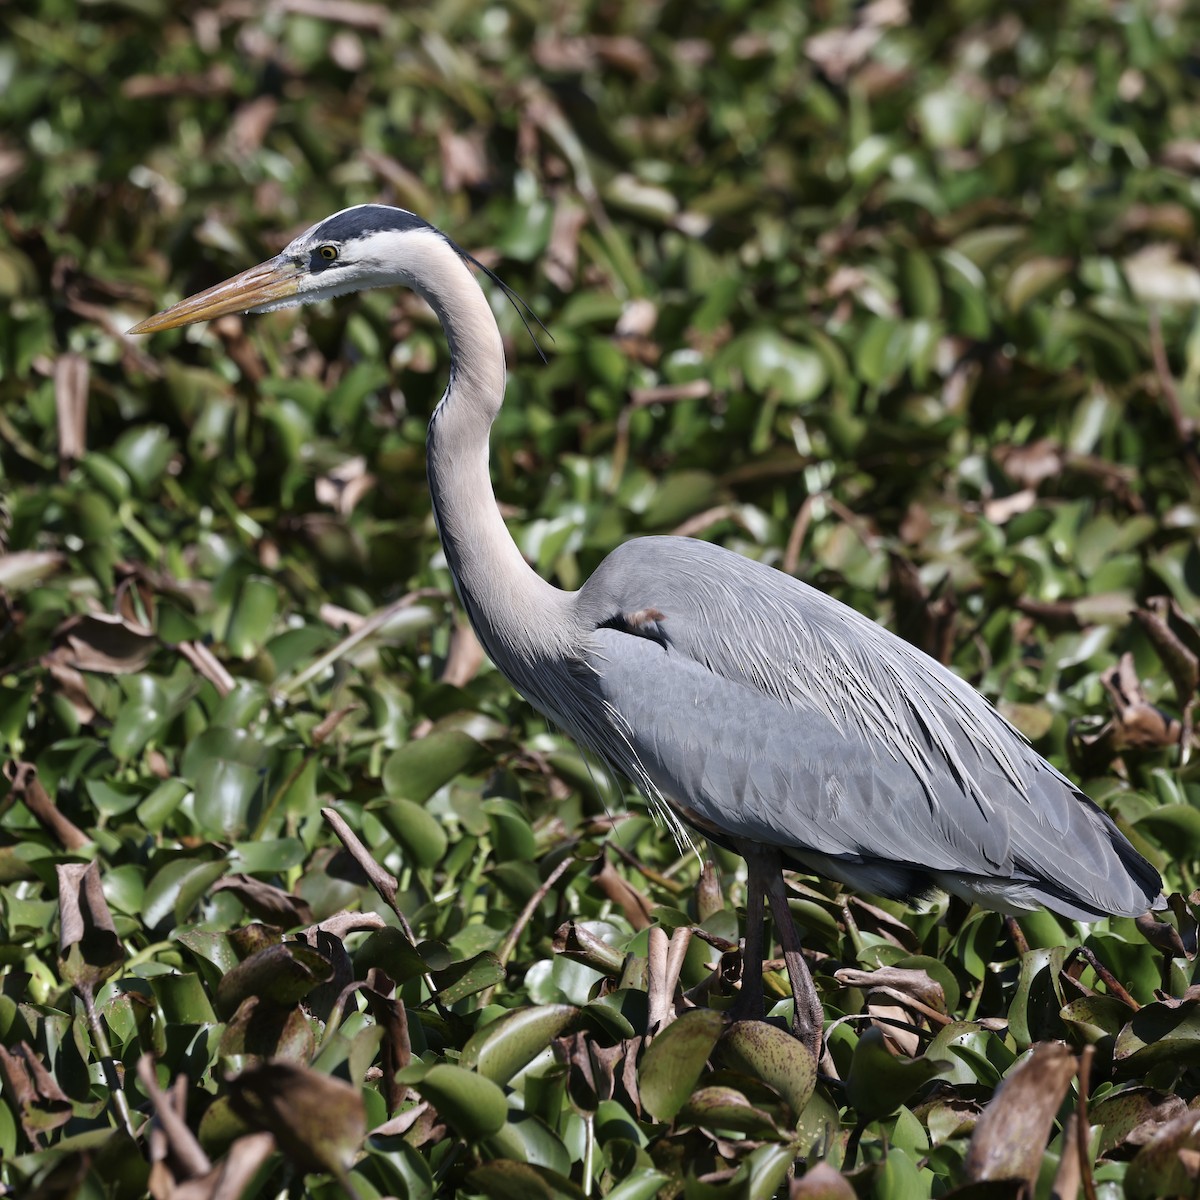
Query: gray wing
{"points": [[763, 710]]}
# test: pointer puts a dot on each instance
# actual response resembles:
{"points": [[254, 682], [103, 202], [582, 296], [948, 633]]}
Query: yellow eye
{"points": [[328, 253]]}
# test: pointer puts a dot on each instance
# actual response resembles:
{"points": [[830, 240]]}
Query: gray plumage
{"points": [[742, 702]]}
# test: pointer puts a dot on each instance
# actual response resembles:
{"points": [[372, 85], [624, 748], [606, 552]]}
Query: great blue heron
{"points": [[742, 702]]}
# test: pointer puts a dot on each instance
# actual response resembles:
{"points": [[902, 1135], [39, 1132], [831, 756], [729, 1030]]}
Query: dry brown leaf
{"points": [[1138, 723], [354, 13], [464, 658], [664, 967], [340, 924], [561, 260], [1182, 155], [89, 949], [1011, 1135], [175, 1154], [218, 80], [40, 1103], [266, 901], [388, 1013], [27, 788], [70, 405], [464, 159], [383, 881], [1177, 641], [343, 487], [620, 891], [208, 665], [105, 643], [230, 1179], [908, 981], [27, 568], [319, 1121]]}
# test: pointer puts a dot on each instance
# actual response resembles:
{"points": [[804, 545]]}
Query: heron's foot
{"points": [[808, 1019]]}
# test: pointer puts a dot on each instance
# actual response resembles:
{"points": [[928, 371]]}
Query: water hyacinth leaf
{"points": [[1034, 1014], [270, 854], [504, 1179], [766, 1168], [672, 1065], [391, 951], [183, 999], [1165, 1165], [1011, 1135], [768, 1053], [223, 796], [772, 362], [531, 1140], [473, 1105], [283, 974], [214, 948], [499, 1050], [252, 617], [511, 834], [460, 980], [268, 1031], [318, 1121], [879, 1082], [1096, 1017], [621, 1013], [1120, 1113], [157, 808], [726, 1108], [641, 1184], [417, 830], [417, 769], [178, 887], [1159, 1032]]}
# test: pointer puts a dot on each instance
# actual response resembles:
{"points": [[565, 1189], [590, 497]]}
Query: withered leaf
{"points": [[107, 644], [88, 946], [319, 1121], [266, 901], [1011, 1135], [1167, 1164], [907, 981], [174, 1145], [282, 974], [232, 1176], [40, 1103], [269, 1031], [70, 404], [27, 788]]}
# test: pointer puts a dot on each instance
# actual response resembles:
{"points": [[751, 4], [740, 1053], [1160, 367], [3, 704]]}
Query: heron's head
{"points": [[369, 245]]}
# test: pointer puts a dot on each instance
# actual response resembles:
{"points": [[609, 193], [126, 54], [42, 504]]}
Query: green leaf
{"points": [[417, 769], [672, 1065], [499, 1050], [473, 1105], [879, 1082], [774, 1056], [774, 363], [417, 830]]}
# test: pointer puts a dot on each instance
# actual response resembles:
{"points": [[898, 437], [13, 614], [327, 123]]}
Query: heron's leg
{"points": [[749, 1004], [808, 1020]]}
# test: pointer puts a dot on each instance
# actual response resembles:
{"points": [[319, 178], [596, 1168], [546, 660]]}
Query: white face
{"points": [[367, 246]]}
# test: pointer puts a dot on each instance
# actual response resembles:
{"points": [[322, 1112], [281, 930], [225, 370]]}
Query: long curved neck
{"points": [[510, 606]]}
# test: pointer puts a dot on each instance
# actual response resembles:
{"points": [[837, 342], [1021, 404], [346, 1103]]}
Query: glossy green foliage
{"points": [[294, 890]]}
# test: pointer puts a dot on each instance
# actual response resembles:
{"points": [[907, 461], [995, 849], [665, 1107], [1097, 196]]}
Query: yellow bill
{"points": [[264, 285]]}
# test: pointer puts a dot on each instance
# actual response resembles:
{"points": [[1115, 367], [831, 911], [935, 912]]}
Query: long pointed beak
{"points": [[268, 283]]}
